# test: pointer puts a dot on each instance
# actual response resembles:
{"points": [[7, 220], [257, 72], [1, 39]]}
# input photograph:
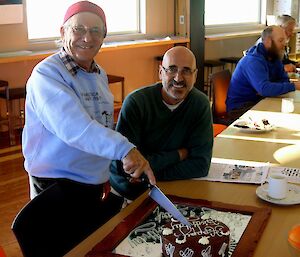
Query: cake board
{"points": [[139, 218]]}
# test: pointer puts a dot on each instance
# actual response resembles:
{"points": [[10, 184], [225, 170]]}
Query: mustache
{"points": [[177, 83]]}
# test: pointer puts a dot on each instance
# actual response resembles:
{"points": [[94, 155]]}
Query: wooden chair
{"points": [[209, 66], [112, 79], [232, 61], [117, 79], [3, 90], [218, 128], [9, 95], [220, 83], [2, 253]]}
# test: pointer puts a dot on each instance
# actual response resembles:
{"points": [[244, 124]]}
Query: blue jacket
{"points": [[256, 77]]}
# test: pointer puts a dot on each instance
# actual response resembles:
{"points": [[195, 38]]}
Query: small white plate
{"points": [[293, 195], [245, 126]]}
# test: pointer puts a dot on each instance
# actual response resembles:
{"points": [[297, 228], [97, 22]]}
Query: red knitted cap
{"points": [[85, 6]]}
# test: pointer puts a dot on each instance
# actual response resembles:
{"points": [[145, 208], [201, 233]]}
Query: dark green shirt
{"points": [[159, 132]]}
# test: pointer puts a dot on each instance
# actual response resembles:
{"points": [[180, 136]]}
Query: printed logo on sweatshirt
{"points": [[106, 118], [91, 96]]}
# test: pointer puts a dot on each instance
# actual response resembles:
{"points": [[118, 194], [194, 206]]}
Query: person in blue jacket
{"points": [[259, 74], [288, 23], [68, 138]]}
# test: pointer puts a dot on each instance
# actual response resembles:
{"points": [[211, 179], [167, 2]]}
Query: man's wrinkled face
{"points": [[289, 30], [82, 36], [178, 74]]}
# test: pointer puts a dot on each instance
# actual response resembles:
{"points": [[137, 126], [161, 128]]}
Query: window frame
{"points": [[156, 21], [238, 27], [52, 42]]}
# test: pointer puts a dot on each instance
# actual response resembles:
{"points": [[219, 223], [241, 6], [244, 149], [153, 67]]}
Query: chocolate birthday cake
{"points": [[205, 237]]}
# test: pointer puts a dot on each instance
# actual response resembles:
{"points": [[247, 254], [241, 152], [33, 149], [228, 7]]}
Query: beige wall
{"points": [[137, 65], [228, 47], [159, 20]]}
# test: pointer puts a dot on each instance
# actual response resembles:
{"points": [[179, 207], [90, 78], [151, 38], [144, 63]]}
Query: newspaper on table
{"points": [[293, 174], [237, 172]]}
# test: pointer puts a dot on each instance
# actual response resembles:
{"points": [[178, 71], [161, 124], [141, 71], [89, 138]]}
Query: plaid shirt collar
{"points": [[72, 66]]}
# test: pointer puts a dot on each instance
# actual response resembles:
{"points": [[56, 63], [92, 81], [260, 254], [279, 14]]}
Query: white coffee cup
{"points": [[287, 105], [278, 186]]}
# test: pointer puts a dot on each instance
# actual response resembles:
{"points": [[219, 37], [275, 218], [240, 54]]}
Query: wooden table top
{"points": [[281, 146], [273, 241], [278, 147]]}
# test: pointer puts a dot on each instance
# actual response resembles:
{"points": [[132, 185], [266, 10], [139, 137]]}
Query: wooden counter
{"points": [[229, 35], [109, 46]]}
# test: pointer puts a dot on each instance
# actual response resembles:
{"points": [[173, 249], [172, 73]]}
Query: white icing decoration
{"points": [[145, 249], [159, 216], [204, 240], [140, 241], [205, 216], [170, 249], [167, 231], [188, 252], [235, 221], [206, 252], [178, 241], [225, 233], [222, 249], [184, 231]]}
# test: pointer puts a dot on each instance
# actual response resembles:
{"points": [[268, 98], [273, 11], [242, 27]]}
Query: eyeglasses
{"points": [[80, 31], [173, 70]]}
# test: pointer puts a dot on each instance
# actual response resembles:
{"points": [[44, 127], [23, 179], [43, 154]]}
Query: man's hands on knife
{"points": [[135, 164]]}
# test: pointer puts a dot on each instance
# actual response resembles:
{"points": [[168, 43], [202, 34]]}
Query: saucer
{"points": [[245, 126], [293, 195]]}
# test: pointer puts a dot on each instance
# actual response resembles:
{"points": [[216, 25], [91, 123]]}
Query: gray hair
{"points": [[59, 42], [267, 32], [284, 20]]}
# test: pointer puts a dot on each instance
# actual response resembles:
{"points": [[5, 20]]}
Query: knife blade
{"points": [[158, 196]]}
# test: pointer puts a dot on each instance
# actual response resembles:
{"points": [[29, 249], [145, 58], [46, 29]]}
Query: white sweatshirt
{"points": [[68, 124]]}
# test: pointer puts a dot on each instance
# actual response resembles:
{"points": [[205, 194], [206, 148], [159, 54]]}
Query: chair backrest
{"points": [[117, 79], [48, 225], [2, 253], [3, 83], [218, 128], [3, 88], [220, 83]]}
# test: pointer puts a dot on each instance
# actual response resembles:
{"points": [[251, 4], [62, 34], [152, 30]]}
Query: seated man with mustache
{"points": [[259, 74], [170, 123]]}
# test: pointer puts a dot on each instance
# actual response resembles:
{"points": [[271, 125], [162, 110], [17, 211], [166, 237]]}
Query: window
{"points": [[220, 12], [122, 17]]}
